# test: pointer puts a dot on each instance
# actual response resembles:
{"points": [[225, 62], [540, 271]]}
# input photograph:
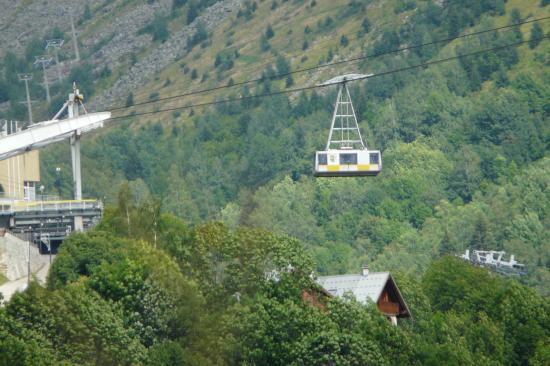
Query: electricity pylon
{"points": [[44, 61], [55, 44], [26, 78], [75, 41]]}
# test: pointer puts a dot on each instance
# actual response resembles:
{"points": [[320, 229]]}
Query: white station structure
{"points": [[42, 134], [35, 216]]}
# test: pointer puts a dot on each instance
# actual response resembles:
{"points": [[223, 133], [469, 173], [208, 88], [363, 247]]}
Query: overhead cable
{"points": [[351, 60], [288, 91]]}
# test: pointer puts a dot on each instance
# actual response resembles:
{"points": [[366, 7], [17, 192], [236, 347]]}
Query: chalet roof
{"points": [[363, 287]]}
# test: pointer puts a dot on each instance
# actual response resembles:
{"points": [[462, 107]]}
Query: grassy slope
{"points": [[288, 22], [529, 10]]}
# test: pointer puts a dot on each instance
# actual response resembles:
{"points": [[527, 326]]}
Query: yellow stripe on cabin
{"points": [[333, 168], [363, 167]]}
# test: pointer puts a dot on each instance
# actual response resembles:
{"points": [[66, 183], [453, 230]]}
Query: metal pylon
{"points": [[344, 129]]}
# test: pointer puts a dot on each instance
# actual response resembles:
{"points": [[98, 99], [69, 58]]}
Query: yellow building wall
{"points": [[17, 170]]}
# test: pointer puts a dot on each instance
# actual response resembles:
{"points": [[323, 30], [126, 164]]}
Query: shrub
{"points": [[154, 96], [157, 28]]}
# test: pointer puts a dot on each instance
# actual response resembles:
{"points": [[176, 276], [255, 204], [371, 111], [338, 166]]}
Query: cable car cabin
{"points": [[347, 163], [345, 154]]}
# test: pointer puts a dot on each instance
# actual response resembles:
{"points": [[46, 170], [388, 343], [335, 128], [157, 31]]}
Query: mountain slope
{"points": [[452, 134]]}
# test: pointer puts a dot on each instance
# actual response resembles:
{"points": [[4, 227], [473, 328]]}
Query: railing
{"points": [[5, 204], [47, 197], [37, 197], [27, 206]]}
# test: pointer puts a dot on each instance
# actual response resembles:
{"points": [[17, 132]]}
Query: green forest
{"points": [[464, 143], [128, 293], [202, 202]]}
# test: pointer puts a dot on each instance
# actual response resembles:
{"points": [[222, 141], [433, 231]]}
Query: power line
{"points": [[352, 36], [56, 44], [256, 67], [355, 59], [26, 78], [237, 46], [422, 65]]}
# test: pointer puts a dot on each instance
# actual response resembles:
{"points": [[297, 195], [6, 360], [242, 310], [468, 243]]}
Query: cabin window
{"points": [[322, 159], [348, 158], [374, 158]]}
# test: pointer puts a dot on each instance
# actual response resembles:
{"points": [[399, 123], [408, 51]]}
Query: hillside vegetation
{"points": [[203, 201], [453, 135], [199, 296], [464, 141]]}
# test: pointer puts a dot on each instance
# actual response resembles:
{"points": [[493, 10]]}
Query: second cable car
{"points": [[346, 155]]}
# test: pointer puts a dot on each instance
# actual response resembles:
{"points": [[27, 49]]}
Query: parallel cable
{"points": [[257, 66], [355, 59], [384, 73], [352, 36]]}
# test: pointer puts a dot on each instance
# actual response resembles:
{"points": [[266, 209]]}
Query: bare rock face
{"points": [[21, 20], [109, 38], [121, 36], [114, 36], [164, 54]]}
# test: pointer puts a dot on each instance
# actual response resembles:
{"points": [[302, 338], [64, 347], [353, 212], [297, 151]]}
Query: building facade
{"points": [[20, 176]]}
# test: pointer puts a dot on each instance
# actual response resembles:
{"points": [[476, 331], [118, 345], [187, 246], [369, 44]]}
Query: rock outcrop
{"points": [[165, 54]]}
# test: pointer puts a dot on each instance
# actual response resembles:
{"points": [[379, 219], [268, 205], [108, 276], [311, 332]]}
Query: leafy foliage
{"points": [[465, 149], [214, 295]]}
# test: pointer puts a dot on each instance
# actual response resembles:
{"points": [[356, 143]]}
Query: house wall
{"points": [[389, 308], [388, 302]]}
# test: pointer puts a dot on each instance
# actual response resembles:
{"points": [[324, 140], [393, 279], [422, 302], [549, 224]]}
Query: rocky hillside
{"points": [[117, 42]]}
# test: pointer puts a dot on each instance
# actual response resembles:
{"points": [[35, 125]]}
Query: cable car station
{"points": [[46, 220]]}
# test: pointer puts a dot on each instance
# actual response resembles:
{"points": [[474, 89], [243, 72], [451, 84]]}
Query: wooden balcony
{"points": [[389, 308]]}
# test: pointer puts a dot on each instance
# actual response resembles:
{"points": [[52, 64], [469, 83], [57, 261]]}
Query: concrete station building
{"points": [[20, 176]]}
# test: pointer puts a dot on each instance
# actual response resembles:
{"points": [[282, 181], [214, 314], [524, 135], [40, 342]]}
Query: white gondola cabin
{"points": [[346, 155], [347, 163]]}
